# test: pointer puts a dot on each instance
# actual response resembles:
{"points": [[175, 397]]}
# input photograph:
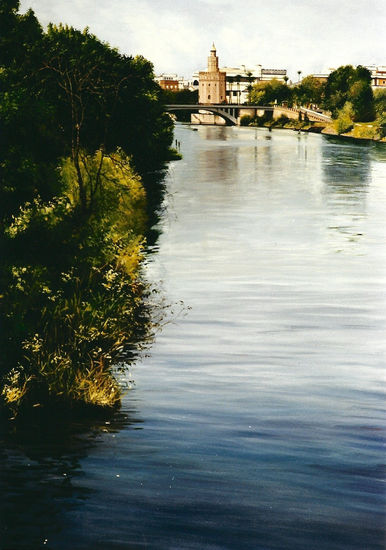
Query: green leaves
{"points": [[348, 84], [267, 93], [76, 117]]}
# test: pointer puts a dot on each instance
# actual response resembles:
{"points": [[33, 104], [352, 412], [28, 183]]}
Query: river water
{"points": [[257, 418]]}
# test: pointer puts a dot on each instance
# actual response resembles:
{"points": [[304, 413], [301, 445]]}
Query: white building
{"points": [[171, 81], [238, 80], [378, 75]]}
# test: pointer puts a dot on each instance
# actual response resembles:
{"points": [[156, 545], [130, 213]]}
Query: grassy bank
{"points": [[359, 130], [80, 123], [282, 122], [73, 316], [370, 131]]}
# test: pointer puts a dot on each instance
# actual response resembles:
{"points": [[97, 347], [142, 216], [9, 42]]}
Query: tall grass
{"points": [[77, 306]]}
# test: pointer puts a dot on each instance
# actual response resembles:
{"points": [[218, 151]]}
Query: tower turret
{"points": [[212, 87], [212, 60]]}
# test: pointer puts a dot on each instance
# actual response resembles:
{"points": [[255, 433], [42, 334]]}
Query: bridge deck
{"points": [[231, 111]]}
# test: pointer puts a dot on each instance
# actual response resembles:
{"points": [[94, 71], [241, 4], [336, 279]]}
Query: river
{"points": [[256, 420]]}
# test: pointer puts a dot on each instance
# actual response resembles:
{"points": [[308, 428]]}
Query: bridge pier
{"points": [[207, 118]]}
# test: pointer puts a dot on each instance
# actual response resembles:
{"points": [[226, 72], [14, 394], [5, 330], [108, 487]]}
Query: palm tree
{"points": [[299, 73], [237, 79], [230, 80], [249, 87]]}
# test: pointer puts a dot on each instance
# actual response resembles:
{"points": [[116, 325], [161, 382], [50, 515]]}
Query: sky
{"points": [[176, 35]]}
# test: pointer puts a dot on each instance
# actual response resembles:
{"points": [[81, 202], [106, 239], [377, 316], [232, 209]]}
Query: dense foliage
{"points": [[347, 95], [180, 97], [346, 84], [267, 93], [78, 120], [310, 91], [353, 85], [380, 109]]}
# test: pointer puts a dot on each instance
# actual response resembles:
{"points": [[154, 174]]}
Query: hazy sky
{"points": [[176, 35]]}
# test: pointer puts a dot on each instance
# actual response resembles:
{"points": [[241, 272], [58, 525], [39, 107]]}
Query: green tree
{"points": [[380, 109], [269, 92], [103, 100], [180, 97], [28, 131], [345, 120], [237, 79], [380, 101], [250, 79], [353, 85], [309, 91], [361, 97], [77, 119]]}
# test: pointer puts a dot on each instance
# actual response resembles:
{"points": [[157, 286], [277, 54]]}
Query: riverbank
{"points": [[360, 131]]}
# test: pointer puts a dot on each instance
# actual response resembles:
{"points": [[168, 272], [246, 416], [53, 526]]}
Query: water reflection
{"points": [[42, 479], [346, 167], [262, 408], [154, 183], [214, 133], [346, 173], [223, 161]]}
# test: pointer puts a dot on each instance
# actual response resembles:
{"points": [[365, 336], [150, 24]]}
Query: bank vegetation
{"points": [[80, 124], [347, 96]]}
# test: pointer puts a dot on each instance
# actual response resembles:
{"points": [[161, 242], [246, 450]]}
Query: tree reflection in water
{"points": [[42, 478]]}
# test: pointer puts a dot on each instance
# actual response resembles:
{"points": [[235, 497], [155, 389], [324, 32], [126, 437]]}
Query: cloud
{"points": [[176, 35]]}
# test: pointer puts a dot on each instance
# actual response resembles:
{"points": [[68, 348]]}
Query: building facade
{"points": [[212, 83], [378, 76], [231, 84]]}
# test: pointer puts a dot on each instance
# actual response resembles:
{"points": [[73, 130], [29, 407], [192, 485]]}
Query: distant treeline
{"points": [[347, 95], [79, 125]]}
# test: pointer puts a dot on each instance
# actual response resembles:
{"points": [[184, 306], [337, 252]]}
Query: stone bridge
{"points": [[233, 113]]}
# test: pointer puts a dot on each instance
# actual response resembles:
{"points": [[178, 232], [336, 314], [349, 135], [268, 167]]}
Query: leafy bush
{"points": [[281, 121], [66, 329], [269, 92], [344, 122], [380, 101], [72, 210], [246, 120], [353, 85]]}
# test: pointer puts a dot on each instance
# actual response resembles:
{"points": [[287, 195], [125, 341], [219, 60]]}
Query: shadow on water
{"points": [[154, 183], [346, 167], [41, 476], [42, 480], [346, 174]]}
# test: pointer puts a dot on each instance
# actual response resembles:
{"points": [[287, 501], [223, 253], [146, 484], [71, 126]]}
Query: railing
{"points": [[224, 108]]}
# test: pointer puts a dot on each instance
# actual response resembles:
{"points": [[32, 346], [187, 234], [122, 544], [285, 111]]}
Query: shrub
{"points": [[71, 317], [246, 120], [344, 121], [281, 121]]}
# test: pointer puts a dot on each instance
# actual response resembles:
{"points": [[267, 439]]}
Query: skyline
{"points": [[176, 35]]}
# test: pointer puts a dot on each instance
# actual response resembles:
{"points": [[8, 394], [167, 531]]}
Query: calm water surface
{"points": [[257, 421]]}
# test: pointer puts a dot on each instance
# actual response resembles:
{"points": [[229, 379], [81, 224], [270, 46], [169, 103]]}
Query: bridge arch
{"points": [[229, 114]]}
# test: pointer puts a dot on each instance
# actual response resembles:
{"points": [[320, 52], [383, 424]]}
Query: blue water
{"points": [[257, 418]]}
